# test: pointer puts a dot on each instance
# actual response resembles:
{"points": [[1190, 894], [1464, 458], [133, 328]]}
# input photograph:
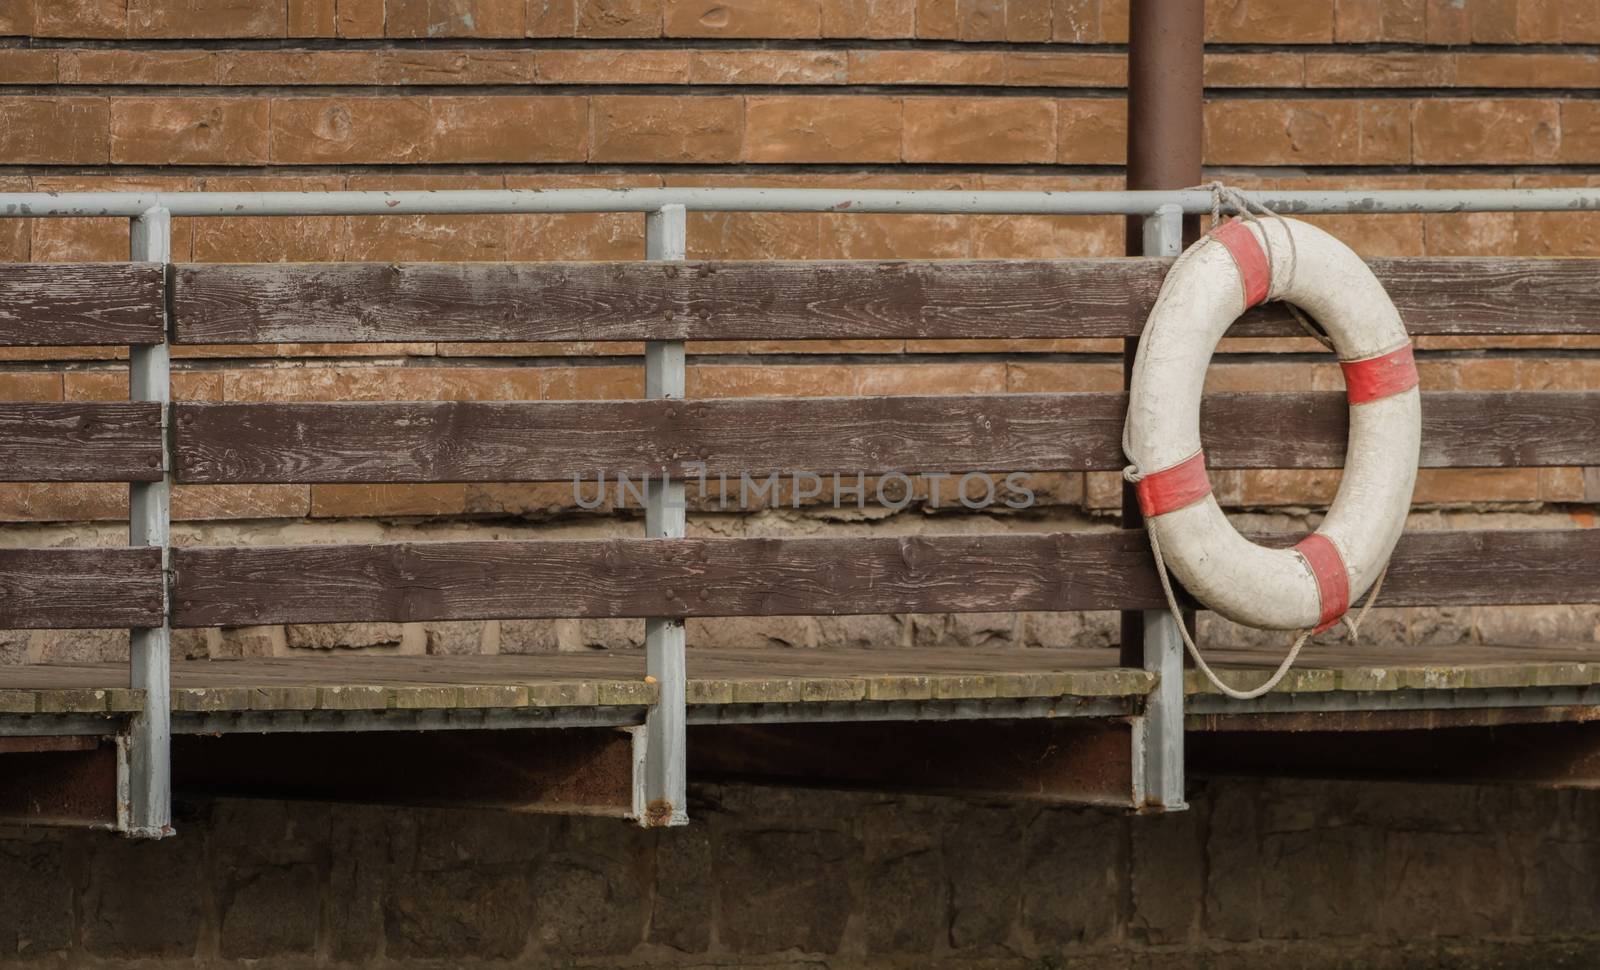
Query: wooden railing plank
{"points": [[556, 440], [811, 300], [65, 304], [80, 588], [99, 442], [405, 582]]}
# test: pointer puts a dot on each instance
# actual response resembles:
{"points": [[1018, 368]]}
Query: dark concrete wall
{"points": [[1259, 874]]}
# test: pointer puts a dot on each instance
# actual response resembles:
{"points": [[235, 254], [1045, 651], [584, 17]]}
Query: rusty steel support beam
{"points": [[64, 781], [567, 771], [1078, 761]]}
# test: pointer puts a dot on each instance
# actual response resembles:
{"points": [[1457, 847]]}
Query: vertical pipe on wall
{"points": [[666, 726], [1166, 61], [149, 524]]}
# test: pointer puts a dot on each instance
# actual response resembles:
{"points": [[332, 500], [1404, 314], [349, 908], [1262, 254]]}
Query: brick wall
{"points": [[979, 94], [1410, 876]]}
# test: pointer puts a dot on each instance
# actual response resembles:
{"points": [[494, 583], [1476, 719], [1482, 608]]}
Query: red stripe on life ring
{"points": [[1379, 377], [1333, 582], [1249, 257], [1171, 489]]}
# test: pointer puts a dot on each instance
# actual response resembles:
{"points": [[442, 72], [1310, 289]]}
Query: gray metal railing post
{"points": [[666, 767], [149, 524], [1158, 733]]}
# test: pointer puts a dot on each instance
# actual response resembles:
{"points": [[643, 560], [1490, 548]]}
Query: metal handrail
{"points": [[492, 201]]}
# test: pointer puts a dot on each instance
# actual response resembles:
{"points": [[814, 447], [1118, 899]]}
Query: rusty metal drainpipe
{"points": [[1166, 60]]}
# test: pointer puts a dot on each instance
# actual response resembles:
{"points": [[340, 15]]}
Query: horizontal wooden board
{"points": [[102, 442], [62, 304], [826, 300], [405, 582], [556, 440], [79, 588]]}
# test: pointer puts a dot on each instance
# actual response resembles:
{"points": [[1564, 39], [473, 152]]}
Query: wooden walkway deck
{"points": [[765, 676]]}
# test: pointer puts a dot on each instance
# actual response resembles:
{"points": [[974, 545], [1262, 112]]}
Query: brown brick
{"points": [[1062, 69], [937, 20], [1275, 70], [1459, 131], [869, 18], [189, 131], [753, 235], [1269, 22], [1084, 21], [666, 129], [1319, 132], [1527, 70], [926, 67], [266, 239], [359, 18], [312, 18], [595, 383], [988, 130], [1366, 21], [614, 67], [767, 67], [741, 18], [216, 502], [770, 380], [1380, 70], [16, 18], [81, 18], [551, 18], [813, 129], [29, 386], [54, 131], [1493, 21], [1557, 22], [206, 18], [19, 66], [1580, 132], [350, 130], [454, 18], [1092, 131], [1028, 21], [1034, 378], [509, 129], [1446, 22], [362, 383], [895, 237], [618, 18], [138, 67], [362, 501], [63, 502]]}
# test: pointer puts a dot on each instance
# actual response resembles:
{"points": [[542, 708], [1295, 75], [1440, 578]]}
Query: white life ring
{"points": [[1236, 266]]}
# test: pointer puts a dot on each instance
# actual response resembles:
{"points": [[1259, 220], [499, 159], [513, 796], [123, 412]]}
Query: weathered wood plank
{"points": [[775, 300], [736, 577], [79, 588], [48, 304], [102, 442], [556, 440], [657, 577]]}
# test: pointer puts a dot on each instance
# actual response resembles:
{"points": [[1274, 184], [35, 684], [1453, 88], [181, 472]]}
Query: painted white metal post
{"points": [[149, 524], [666, 766], [1160, 731]]}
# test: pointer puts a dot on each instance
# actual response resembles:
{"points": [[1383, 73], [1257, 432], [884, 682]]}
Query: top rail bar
{"points": [[488, 201]]}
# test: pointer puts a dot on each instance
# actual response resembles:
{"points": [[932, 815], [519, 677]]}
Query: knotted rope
{"points": [[1250, 210]]}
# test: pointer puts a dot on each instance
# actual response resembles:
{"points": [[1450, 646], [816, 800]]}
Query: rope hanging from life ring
{"points": [[1254, 258]]}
